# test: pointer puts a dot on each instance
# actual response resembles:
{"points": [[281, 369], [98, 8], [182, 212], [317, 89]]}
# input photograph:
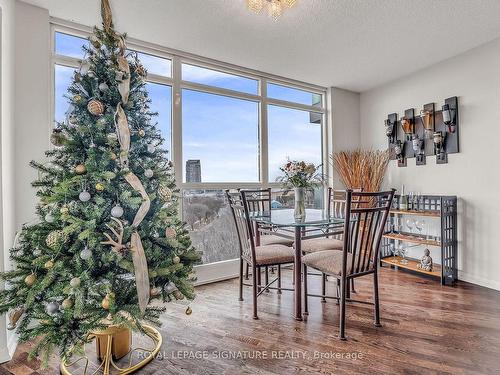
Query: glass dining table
{"points": [[281, 222]]}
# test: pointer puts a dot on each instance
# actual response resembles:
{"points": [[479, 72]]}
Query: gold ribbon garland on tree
{"points": [[123, 133]]}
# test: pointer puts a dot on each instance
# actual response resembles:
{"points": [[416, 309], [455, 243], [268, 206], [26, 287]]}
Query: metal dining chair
{"points": [[256, 256], [363, 229], [260, 200], [335, 208]]}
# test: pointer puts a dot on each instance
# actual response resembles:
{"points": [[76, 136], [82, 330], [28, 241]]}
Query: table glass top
{"points": [[285, 218]]}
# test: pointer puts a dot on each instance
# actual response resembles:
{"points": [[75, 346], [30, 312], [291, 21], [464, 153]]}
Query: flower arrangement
{"points": [[299, 174]]}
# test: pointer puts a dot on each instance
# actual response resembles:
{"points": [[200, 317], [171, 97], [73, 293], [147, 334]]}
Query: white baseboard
{"points": [[218, 271], [478, 280]]}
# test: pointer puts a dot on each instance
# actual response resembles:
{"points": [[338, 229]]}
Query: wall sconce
{"points": [[418, 147], [399, 148], [449, 115], [407, 126], [425, 118], [389, 130], [439, 147]]}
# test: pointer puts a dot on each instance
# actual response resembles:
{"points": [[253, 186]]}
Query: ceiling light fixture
{"points": [[274, 7]]}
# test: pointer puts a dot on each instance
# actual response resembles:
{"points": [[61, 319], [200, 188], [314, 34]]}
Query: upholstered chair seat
{"points": [[328, 261], [321, 244], [272, 239], [273, 254]]}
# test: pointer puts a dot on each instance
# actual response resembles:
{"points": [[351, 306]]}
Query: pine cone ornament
{"points": [[95, 107], [56, 238], [164, 193]]}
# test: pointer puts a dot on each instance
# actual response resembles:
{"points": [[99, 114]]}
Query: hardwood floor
{"points": [[427, 328]]}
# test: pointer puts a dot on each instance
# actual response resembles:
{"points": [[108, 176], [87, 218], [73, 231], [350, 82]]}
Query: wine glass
{"points": [[420, 224], [409, 224], [392, 248], [403, 251]]}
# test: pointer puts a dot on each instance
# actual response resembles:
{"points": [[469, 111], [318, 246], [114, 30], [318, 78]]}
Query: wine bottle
{"points": [[403, 200]]}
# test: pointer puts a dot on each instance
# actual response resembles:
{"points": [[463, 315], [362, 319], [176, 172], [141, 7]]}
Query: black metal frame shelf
{"points": [[440, 206]]}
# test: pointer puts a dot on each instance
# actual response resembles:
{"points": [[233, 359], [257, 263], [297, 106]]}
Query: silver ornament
{"points": [[52, 308], [86, 254], [75, 282], [148, 173], [151, 148], [103, 87], [49, 218], [84, 69], [84, 196], [117, 211]]}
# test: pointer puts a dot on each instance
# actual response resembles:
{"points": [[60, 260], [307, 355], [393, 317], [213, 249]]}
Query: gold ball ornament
{"points": [[141, 133], [105, 303], [189, 311], [77, 98], [30, 279], [178, 295], [55, 238], [170, 233], [95, 107], [80, 169], [67, 304], [113, 156], [155, 292], [164, 193], [48, 264], [176, 260], [99, 186]]}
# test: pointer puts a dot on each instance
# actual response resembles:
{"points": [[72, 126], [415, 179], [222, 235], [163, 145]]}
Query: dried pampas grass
{"points": [[361, 168]]}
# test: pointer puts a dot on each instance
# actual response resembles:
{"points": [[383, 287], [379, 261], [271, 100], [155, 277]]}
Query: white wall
{"points": [[473, 174], [345, 117], [7, 218], [25, 126], [32, 102]]}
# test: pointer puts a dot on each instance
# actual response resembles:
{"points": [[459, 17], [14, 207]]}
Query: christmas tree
{"points": [[108, 245]]}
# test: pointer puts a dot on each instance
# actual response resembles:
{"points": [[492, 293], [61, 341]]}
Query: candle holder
{"points": [[418, 147], [439, 147], [399, 148], [427, 123], [407, 126]]}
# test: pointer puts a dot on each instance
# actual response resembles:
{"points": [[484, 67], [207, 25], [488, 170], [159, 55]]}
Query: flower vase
{"points": [[300, 204]]}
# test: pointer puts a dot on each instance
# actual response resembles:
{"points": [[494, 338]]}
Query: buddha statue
{"points": [[426, 261]]}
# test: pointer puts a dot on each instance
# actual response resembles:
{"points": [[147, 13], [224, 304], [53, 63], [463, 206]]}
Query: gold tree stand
{"points": [[112, 344]]}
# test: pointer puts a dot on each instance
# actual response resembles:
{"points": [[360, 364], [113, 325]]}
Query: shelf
{"points": [[418, 213], [412, 265], [412, 239]]}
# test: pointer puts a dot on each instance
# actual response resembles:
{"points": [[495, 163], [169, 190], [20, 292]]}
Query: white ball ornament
{"points": [[75, 282], [148, 173], [49, 218], [84, 196], [86, 254], [117, 211], [103, 87], [151, 148], [52, 308]]}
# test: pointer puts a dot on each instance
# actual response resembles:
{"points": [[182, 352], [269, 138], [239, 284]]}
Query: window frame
{"points": [[177, 85]]}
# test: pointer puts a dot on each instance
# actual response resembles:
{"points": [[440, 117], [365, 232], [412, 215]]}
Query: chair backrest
{"points": [[258, 200], [363, 229], [239, 209], [337, 202]]}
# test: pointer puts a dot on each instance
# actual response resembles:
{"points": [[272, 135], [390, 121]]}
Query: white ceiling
{"points": [[352, 44]]}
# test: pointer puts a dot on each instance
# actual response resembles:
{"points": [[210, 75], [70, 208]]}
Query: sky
{"points": [[222, 132]]}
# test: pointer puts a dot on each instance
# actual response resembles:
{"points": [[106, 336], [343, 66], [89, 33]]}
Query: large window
{"points": [[226, 128], [222, 135]]}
